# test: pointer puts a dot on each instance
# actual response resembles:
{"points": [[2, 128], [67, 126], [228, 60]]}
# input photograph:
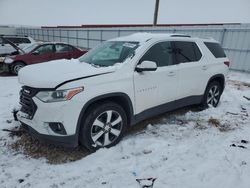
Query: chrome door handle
{"points": [[171, 73], [204, 67]]}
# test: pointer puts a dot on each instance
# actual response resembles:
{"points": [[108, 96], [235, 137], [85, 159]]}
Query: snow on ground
{"points": [[189, 149]]}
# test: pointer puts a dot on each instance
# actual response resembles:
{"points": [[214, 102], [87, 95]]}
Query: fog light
{"points": [[57, 127]]}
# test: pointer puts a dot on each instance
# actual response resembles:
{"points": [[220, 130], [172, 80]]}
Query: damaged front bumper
{"points": [[65, 141]]}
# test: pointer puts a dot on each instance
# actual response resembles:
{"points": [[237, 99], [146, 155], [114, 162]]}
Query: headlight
{"points": [[58, 95], [8, 60]]}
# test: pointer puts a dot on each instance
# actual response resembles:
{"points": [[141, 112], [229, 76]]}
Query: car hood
{"points": [[54, 73]]}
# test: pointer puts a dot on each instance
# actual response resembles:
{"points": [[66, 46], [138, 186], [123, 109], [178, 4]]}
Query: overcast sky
{"points": [[78, 12]]}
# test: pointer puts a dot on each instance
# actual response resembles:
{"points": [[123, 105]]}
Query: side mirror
{"points": [[35, 53], [146, 66], [2, 44]]}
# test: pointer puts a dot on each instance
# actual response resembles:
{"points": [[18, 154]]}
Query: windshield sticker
{"points": [[129, 45]]}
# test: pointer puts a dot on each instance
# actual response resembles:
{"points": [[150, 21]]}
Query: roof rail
{"points": [[179, 35]]}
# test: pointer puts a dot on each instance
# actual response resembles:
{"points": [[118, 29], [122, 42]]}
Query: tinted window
{"points": [[160, 53], [24, 40], [215, 49], [186, 52], [2, 41], [11, 39], [17, 40], [30, 47], [63, 48], [45, 49]]}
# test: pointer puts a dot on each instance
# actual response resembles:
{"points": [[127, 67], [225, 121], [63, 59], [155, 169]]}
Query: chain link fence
{"points": [[235, 39]]}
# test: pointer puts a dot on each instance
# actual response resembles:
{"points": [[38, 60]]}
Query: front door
{"points": [[154, 88], [42, 54]]}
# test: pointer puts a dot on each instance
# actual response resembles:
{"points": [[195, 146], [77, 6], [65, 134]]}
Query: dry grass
{"points": [[34, 148], [223, 127], [214, 122], [31, 147]]}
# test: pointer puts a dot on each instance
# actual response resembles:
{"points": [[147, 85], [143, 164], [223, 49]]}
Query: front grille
{"points": [[27, 104]]}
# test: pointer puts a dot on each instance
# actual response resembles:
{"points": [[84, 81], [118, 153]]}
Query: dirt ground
{"points": [[34, 148]]}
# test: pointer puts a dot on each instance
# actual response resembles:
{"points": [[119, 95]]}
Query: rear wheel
{"points": [[104, 126], [212, 94], [16, 67]]}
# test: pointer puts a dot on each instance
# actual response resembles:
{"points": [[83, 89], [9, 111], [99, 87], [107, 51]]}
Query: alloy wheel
{"points": [[17, 68], [213, 96], [106, 128]]}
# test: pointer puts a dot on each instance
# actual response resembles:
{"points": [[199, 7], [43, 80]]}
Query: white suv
{"points": [[20, 41], [92, 100]]}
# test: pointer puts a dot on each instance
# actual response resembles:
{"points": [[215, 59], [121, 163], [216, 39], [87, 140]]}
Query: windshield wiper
{"points": [[98, 65], [94, 65]]}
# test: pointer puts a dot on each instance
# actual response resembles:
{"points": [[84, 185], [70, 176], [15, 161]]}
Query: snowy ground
{"points": [[181, 149]]}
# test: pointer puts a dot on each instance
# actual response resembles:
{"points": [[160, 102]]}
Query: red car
{"points": [[41, 52]]}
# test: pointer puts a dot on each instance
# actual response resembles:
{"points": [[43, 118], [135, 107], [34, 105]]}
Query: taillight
{"points": [[227, 63]]}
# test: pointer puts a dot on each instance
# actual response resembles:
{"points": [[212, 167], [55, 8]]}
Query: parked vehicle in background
{"points": [[93, 99], [39, 53], [20, 41]]}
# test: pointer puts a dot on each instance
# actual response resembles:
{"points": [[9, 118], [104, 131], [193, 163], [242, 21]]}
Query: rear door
{"points": [[154, 88], [192, 67], [75, 52], [62, 51]]}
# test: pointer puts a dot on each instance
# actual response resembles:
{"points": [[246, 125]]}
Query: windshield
{"points": [[29, 48], [109, 53]]}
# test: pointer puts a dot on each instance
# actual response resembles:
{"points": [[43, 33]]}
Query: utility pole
{"points": [[156, 12]]}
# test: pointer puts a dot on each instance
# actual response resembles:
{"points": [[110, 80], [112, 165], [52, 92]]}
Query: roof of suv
{"points": [[143, 37]]}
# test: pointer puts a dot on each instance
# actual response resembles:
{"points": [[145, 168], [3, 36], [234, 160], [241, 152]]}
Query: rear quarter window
{"points": [[215, 49], [186, 51]]}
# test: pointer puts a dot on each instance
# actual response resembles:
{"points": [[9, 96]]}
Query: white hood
{"points": [[53, 73]]}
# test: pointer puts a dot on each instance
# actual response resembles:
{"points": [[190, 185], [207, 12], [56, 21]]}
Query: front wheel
{"points": [[104, 126], [212, 94], [16, 67]]}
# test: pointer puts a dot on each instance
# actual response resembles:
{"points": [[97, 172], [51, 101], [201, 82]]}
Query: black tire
{"points": [[212, 95], [95, 126], [16, 67]]}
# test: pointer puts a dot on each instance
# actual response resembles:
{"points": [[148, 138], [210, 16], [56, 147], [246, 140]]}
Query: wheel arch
{"points": [[219, 78], [18, 61], [119, 98], [14, 63]]}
